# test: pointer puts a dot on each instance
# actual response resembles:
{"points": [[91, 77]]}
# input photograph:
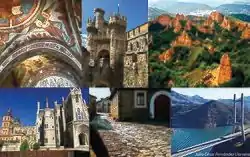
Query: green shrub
{"points": [[24, 146], [36, 146]]}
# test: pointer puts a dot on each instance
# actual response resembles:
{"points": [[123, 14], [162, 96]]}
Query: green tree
{"points": [[36, 146], [24, 146]]}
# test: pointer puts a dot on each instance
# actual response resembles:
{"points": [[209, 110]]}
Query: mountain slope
{"points": [[211, 114], [234, 9]]}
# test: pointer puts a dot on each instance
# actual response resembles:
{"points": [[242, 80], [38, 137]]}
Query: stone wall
{"points": [[114, 106], [136, 58]]}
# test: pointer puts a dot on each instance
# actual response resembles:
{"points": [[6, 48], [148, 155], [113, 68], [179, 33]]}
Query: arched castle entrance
{"points": [[160, 105]]}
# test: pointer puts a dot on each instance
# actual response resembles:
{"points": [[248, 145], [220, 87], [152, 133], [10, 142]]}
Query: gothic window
{"points": [[131, 47], [77, 98], [137, 45], [79, 116], [82, 139], [46, 125], [134, 57], [45, 140]]}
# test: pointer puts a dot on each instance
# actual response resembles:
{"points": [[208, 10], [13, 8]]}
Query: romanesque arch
{"points": [[165, 96], [49, 47]]}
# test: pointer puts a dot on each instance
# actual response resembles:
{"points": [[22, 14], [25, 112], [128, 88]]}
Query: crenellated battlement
{"points": [[118, 20]]}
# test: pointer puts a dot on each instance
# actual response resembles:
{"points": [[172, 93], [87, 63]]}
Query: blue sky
{"points": [[136, 11], [23, 101], [99, 92], [208, 2], [214, 93]]}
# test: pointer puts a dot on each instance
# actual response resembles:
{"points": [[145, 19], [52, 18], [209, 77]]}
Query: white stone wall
{"points": [[49, 121]]}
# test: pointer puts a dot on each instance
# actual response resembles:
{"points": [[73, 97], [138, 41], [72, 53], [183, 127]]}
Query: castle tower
{"points": [[91, 33], [57, 123], [7, 123], [49, 126], [38, 123], [117, 25], [80, 116], [99, 18]]}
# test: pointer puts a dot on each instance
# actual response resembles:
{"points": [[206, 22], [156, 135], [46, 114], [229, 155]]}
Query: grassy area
{"points": [[194, 76], [195, 51]]}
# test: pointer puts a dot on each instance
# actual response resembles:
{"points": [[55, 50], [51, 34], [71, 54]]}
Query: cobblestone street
{"points": [[137, 140]]}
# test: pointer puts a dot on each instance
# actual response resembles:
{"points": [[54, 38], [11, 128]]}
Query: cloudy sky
{"points": [[208, 2], [214, 93], [99, 92]]}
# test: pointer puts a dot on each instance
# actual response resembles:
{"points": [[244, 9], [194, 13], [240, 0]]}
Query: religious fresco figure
{"points": [[8, 8]]}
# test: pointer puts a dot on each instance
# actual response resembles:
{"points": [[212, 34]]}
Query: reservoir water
{"points": [[183, 137]]}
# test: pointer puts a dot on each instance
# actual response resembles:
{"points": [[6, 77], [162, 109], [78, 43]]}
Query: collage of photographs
{"points": [[124, 78]]}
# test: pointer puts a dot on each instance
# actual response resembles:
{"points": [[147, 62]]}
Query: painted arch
{"points": [[48, 47]]}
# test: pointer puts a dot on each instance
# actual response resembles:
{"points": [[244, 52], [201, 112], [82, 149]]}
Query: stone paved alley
{"points": [[137, 140]]}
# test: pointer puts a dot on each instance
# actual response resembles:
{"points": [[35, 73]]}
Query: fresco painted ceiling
{"points": [[40, 71], [17, 13]]}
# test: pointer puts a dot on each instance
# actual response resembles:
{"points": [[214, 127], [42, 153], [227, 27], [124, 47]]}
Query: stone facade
{"points": [[136, 58], [112, 55], [103, 105], [140, 104], [65, 125], [13, 134]]}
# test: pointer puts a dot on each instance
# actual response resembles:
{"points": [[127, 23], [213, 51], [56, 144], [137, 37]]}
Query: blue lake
{"points": [[183, 137]]}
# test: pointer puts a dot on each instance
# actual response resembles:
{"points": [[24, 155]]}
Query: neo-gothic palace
{"points": [[114, 57], [64, 126]]}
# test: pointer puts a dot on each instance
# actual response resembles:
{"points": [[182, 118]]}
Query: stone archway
{"points": [[82, 139], [43, 47], [160, 105], [82, 135]]}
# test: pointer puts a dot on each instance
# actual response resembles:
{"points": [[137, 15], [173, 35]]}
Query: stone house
{"points": [[103, 105], [140, 104]]}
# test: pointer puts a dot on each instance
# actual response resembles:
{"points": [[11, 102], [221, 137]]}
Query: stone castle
{"points": [[112, 54], [64, 126]]}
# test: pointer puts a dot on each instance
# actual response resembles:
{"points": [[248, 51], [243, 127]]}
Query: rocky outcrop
{"points": [[177, 25], [246, 34], [227, 24], [166, 56], [224, 70], [188, 25], [183, 40], [164, 20], [205, 29], [216, 16]]}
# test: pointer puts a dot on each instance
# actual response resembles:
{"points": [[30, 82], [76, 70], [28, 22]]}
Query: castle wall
{"points": [[136, 58]]}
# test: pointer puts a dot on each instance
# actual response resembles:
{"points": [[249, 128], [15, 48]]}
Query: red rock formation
{"points": [[208, 22], [177, 25], [241, 25], [166, 56], [188, 25], [206, 30], [183, 40], [246, 34], [227, 24], [216, 16], [164, 20], [225, 69], [180, 17]]}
